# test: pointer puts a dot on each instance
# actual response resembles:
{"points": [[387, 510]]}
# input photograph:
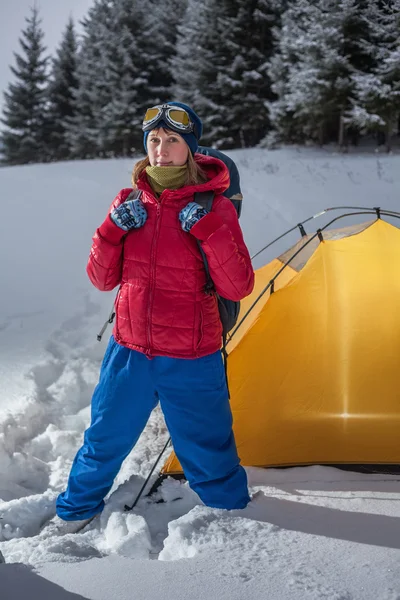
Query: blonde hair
{"points": [[195, 173]]}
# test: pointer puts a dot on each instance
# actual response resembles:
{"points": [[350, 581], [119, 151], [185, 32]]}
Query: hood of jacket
{"points": [[216, 171]]}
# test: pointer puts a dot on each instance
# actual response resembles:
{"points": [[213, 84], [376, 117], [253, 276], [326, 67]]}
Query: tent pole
{"points": [[320, 214], [127, 507]]}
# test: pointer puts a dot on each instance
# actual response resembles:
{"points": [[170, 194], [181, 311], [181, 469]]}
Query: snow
{"points": [[311, 532]]}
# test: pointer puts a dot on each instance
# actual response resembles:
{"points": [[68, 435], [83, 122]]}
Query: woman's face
{"points": [[166, 148]]}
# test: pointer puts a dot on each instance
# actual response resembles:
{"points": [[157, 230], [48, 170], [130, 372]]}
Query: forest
{"points": [[258, 72]]}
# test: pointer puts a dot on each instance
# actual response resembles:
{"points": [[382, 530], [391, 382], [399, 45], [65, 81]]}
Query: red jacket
{"points": [[161, 308]]}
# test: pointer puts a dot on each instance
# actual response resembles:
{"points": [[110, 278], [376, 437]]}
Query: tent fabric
{"points": [[314, 371]]}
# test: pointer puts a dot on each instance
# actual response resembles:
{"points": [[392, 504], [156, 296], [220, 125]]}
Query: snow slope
{"points": [[314, 532]]}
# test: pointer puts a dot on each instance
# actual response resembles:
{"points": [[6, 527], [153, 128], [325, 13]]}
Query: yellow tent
{"points": [[314, 368]]}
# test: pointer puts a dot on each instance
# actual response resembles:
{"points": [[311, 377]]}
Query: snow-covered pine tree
{"points": [[221, 70], [203, 56], [160, 41], [25, 98], [283, 61], [187, 62], [60, 95], [244, 83], [296, 71], [376, 106], [142, 42], [93, 92], [126, 77], [323, 44], [119, 70]]}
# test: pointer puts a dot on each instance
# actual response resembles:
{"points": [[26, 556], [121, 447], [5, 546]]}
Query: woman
{"points": [[166, 340]]}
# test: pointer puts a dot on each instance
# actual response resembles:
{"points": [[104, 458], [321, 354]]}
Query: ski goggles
{"points": [[175, 117]]}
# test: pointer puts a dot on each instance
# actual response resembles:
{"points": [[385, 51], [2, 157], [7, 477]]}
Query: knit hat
{"points": [[192, 139]]}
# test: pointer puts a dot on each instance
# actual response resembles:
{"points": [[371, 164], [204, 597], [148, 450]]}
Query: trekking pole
{"points": [[109, 321], [127, 507]]}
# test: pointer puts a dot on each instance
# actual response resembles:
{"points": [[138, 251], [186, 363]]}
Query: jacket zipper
{"points": [[200, 337], [152, 279]]}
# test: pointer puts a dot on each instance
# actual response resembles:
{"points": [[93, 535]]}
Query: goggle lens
{"points": [[179, 116], [151, 113]]}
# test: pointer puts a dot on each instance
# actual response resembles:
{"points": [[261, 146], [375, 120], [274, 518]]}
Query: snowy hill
{"points": [[315, 532]]}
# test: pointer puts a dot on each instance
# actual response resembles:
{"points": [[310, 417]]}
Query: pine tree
{"points": [[160, 46], [321, 81], [282, 62], [187, 61], [123, 68], [245, 83], [324, 46], [93, 92], [376, 106], [202, 56], [139, 70], [62, 86], [221, 70], [25, 99], [126, 77]]}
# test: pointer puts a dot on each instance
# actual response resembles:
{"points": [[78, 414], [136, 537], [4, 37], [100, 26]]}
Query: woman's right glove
{"points": [[129, 215]]}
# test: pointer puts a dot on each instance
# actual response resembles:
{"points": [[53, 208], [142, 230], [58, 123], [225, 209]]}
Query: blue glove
{"points": [[192, 213], [129, 215]]}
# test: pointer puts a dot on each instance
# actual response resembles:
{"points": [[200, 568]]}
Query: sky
{"points": [[12, 21], [312, 533]]}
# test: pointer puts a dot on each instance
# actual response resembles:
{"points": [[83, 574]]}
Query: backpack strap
{"points": [[205, 199], [134, 195]]}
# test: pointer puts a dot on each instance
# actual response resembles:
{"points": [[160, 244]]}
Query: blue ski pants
{"points": [[194, 399]]}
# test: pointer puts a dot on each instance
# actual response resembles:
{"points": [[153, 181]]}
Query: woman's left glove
{"points": [[129, 215], [191, 214]]}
